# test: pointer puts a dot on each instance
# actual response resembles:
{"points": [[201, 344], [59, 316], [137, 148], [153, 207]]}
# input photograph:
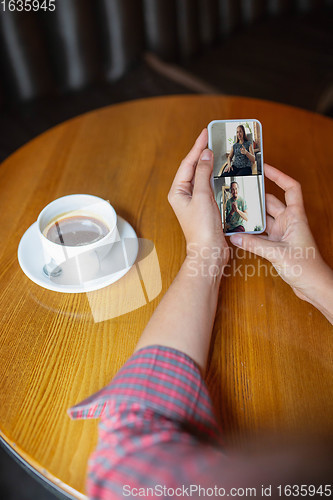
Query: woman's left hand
{"points": [[193, 202], [243, 150]]}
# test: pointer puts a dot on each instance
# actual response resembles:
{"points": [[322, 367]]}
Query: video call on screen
{"points": [[238, 175]]}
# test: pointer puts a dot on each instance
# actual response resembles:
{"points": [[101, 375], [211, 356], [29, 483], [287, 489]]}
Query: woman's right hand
{"points": [[290, 246]]}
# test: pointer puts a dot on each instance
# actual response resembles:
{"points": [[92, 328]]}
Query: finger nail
{"points": [[206, 155], [236, 240]]}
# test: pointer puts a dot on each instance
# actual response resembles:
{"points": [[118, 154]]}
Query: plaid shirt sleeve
{"points": [[157, 427]]}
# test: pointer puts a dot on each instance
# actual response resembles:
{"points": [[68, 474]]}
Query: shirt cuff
{"points": [[162, 379]]}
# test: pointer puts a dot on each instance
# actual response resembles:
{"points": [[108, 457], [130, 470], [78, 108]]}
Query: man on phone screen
{"points": [[236, 211]]}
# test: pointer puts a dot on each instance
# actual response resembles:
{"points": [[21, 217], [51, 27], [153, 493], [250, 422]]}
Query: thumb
{"points": [[259, 245], [203, 173]]}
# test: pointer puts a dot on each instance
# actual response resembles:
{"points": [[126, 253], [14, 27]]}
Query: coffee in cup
{"points": [[76, 231]]}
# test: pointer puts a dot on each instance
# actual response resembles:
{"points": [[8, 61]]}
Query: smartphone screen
{"points": [[238, 176]]}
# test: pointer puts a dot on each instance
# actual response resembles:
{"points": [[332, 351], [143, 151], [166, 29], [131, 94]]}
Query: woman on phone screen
{"points": [[243, 154]]}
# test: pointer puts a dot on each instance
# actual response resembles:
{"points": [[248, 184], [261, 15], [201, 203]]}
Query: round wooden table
{"points": [[271, 356]]}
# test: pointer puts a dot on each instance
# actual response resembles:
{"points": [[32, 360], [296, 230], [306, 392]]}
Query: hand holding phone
{"points": [[198, 215], [290, 246]]}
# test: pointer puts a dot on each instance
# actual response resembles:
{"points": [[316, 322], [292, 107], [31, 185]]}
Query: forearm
{"points": [[320, 295], [184, 318], [250, 156], [230, 157]]}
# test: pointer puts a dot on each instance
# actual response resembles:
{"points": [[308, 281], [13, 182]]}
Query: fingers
{"points": [[186, 169], [203, 174], [274, 206], [292, 188], [259, 245]]}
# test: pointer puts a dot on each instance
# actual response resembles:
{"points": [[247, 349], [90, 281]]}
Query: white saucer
{"points": [[114, 266]]}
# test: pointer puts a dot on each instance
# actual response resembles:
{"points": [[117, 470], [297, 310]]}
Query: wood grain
{"points": [[271, 358]]}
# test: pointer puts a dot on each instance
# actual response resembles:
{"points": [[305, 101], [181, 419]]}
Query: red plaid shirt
{"points": [[157, 428]]}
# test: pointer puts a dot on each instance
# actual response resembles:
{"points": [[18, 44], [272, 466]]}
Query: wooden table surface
{"points": [[271, 357]]}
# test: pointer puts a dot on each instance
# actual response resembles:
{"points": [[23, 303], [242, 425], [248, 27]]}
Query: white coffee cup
{"points": [[82, 262]]}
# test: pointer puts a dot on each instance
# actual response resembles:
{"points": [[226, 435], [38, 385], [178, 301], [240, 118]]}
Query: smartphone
{"points": [[238, 174]]}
